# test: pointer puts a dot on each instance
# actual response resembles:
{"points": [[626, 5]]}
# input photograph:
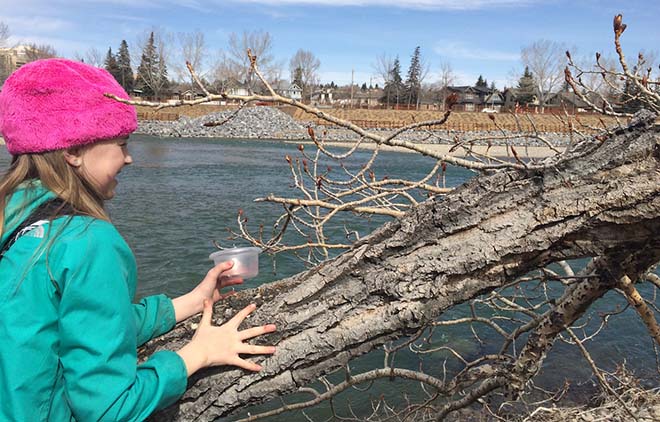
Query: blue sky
{"points": [[473, 36]]}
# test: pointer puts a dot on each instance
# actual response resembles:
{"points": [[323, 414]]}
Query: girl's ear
{"points": [[73, 156]]}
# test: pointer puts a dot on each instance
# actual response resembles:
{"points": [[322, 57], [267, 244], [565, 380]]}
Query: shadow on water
{"points": [[181, 194]]}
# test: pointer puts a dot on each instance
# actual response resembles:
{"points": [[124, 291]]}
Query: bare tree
{"points": [[191, 48], [4, 35], [500, 252], [39, 51], [546, 61], [260, 44], [5, 61], [303, 68], [92, 57], [447, 79], [383, 67]]}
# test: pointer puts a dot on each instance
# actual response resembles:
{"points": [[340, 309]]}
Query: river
{"points": [[181, 194]]}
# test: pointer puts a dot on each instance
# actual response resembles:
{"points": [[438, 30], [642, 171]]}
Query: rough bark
{"points": [[600, 199]]}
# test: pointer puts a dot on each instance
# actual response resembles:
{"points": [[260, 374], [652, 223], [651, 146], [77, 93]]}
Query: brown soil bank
{"points": [[464, 121]]}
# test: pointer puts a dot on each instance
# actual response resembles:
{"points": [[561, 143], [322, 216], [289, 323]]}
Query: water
{"points": [[181, 194]]}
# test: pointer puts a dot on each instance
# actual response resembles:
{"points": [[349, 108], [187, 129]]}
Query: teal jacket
{"points": [[68, 329]]}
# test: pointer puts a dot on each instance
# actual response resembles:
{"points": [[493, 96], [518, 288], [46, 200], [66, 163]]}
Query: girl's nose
{"points": [[128, 159]]}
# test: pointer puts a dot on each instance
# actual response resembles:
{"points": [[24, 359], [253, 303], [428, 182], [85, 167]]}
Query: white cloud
{"points": [[403, 4], [39, 24], [457, 49]]}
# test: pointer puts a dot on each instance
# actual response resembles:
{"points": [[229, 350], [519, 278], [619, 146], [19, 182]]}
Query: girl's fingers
{"points": [[256, 331], [251, 349], [220, 268], [229, 281], [242, 314], [207, 313], [245, 364]]}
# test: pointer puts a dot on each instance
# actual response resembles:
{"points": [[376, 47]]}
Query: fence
{"points": [[157, 115], [457, 126]]}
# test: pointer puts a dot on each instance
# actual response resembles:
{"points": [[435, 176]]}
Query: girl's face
{"points": [[100, 163]]}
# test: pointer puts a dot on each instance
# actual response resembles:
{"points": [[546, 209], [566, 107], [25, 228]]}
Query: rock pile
{"points": [[248, 123]]}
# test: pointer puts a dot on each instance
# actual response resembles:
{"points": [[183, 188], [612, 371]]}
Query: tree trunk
{"points": [[600, 199]]}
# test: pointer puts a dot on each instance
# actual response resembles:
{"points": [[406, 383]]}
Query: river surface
{"points": [[182, 194]]}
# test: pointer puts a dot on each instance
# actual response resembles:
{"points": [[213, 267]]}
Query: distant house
{"points": [[11, 59], [494, 101], [358, 98], [238, 89], [289, 90], [569, 101], [187, 95], [473, 98], [368, 98], [322, 96]]}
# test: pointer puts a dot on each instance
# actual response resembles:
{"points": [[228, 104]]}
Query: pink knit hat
{"points": [[54, 104]]}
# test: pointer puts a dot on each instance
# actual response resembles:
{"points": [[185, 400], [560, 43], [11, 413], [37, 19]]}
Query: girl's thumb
{"points": [[207, 313]]}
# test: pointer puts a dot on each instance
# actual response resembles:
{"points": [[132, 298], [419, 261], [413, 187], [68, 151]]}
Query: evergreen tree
{"points": [[526, 88], [393, 91], [111, 65], [126, 79], [630, 97], [492, 86], [152, 72], [481, 82], [363, 87], [298, 77], [413, 83]]}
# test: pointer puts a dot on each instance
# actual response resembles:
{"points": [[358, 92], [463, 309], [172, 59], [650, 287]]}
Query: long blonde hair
{"points": [[56, 175]]}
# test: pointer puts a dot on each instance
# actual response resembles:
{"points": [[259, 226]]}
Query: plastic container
{"points": [[246, 262]]}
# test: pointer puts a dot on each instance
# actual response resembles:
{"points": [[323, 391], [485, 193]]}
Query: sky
{"points": [[475, 37]]}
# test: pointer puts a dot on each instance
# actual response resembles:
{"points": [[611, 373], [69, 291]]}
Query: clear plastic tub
{"points": [[246, 261]]}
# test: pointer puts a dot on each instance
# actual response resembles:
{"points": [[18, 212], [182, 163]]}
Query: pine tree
{"points": [[126, 79], [526, 88], [413, 79], [393, 91], [298, 77], [363, 87], [630, 97], [152, 72], [481, 82], [111, 65]]}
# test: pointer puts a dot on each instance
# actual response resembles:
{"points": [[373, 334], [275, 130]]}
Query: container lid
{"points": [[235, 251]]}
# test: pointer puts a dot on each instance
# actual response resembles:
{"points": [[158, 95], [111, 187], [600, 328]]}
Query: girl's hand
{"points": [[209, 288], [222, 345]]}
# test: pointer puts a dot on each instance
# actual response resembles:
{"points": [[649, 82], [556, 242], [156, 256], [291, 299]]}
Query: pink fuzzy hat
{"points": [[54, 104]]}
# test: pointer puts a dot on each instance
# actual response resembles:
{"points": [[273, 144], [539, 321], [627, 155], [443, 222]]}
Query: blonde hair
{"points": [[56, 175]]}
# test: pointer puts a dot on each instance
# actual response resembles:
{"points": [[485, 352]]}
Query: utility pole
{"points": [[352, 76], [369, 94]]}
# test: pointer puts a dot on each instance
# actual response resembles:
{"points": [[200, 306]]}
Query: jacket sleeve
{"points": [[98, 335], [154, 316]]}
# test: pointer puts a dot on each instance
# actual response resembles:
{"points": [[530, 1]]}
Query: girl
{"points": [[69, 331]]}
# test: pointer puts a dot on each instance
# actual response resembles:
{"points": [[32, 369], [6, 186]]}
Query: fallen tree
{"points": [[482, 243], [601, 199]]}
